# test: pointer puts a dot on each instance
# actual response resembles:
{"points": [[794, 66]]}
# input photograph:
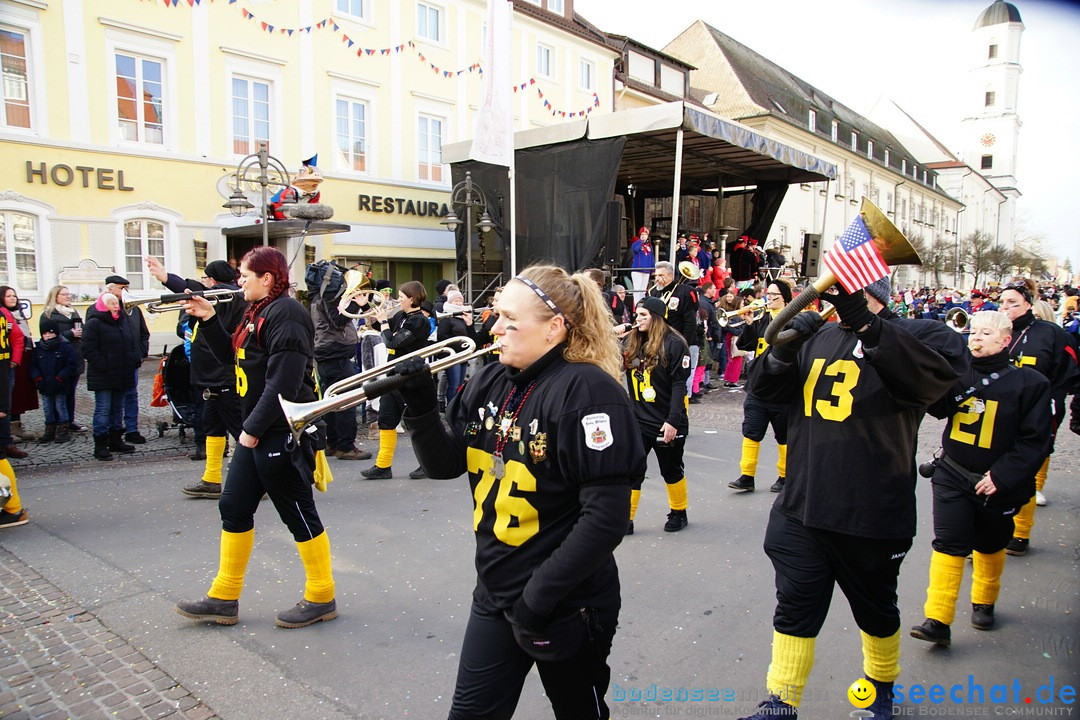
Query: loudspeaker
{"points": [[811, 254]]}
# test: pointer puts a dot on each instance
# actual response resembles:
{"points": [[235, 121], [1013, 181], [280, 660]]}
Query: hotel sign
{"points": [[64, 175]]}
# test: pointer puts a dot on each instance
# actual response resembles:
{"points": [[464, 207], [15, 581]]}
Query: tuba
{"points": [[690, 270], [358, 289], [891, 244]]}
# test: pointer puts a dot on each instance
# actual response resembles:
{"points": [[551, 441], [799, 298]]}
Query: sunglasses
{"points": [[1020, 288]]}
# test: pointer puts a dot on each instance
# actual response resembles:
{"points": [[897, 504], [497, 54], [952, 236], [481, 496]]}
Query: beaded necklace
{"points": [[508, 415]]}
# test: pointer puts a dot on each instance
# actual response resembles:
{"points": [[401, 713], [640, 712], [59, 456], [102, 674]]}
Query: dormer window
{"points": [[811, 120], [992, 52], [854, 140], [835, 131]]}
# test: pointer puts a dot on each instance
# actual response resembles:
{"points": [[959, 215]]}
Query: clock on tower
{"points": [[988, 139]]}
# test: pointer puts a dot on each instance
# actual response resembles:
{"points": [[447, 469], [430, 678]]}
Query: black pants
{"points": [[267, 468], [963, 521], [669, 457], [757, 416], [391, 408], [493, 667], [808, 563], [221, 412], [340, 426]]}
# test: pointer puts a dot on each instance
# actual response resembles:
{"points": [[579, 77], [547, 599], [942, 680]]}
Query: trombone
{"points": [[370, 384], [174, 301]]}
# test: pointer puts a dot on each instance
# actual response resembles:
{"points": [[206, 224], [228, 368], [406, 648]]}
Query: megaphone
{"points": [[890, 243]]}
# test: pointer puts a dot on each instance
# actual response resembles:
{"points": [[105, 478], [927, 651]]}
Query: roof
{"points": [[577, 25], [714, 149], [998, 13], [770, 89]]}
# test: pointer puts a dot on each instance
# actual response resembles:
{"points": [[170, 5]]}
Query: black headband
{"points": [[543, 296], [1021, 288]]}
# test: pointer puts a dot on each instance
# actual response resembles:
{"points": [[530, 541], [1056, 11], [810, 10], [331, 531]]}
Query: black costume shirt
{"points": [[546, 530], [1045, 347], [854, 413], [659, 394], [276, 358], [408, 332], [206, 371], [682, 306], [998, 421]]}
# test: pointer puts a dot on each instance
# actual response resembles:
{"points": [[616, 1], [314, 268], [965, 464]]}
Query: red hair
{"points": [[260, 261]]}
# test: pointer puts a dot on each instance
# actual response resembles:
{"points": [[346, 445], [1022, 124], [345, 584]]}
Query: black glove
{"points": [[806, 324], [419, 390], [521, 614], [851, 307]]}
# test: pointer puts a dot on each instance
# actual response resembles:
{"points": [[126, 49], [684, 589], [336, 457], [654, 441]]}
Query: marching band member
{"points": [[758, 415], [1046, 347], [856, 391], [996, 437], [406, 332], [549, 442], [214, 379], [274, 350], [657, 363]]}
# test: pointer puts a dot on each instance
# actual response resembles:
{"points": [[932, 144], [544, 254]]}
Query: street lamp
{"points": [[468, 195], [271, 172]]}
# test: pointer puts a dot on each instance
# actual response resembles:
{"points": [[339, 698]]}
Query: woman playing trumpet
{"points": [[549, 443]]}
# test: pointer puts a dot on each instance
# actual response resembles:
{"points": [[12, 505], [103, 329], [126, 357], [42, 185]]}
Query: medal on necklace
{"points": [[648, 394], [498, 467]]}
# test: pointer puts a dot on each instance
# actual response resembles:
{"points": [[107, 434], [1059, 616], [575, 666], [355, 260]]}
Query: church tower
{"points": [[991, 129]]}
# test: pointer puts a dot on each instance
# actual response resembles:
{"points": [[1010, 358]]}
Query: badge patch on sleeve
{"points": [[673, 303], [685, 361], [597, 431]]}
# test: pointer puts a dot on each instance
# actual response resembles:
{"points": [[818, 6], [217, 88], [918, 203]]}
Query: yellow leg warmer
{"points": [[986, 578], [215, 451], [946, 572], [676, 495], [781, 463], [315, 554], [235, 552], [881, 657], [635, 496], [387, 445], [748, 461], [1024, 520], [792, 660], [13, 504], [1040, 476]]}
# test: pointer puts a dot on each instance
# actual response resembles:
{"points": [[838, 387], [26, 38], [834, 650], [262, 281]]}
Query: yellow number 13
{"points": [[838, 406]]}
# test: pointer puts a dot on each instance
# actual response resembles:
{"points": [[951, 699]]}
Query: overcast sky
{"points": [[913, 52]]}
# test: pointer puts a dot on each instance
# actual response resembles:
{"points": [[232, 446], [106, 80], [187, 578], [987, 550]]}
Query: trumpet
{"points": [[957, 319], [757, 308], [174, 301], [454, 311], [370, 384]]}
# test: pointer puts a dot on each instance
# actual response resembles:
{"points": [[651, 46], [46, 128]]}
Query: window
{"points": [[811, 120], [351, 126], [351, 7], [886, 156], [991, 96], [142, 238], [139, 98], [428, 19], [586, 71], [556, 6], [888, 203], [870, 148], [692, 213], [903, 167], [250, 115], [992, 53], [987, 162], [543, 60], [16, 108], [429, 148], [835, 131], [18, 259], [854, 140]]}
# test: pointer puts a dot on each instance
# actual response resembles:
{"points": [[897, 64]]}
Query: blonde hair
{"points": [[50, 300], [589, 338], [1043, 310], [994, 319]]}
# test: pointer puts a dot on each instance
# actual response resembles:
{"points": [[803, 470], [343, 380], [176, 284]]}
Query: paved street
{"points": [[88, 628]]}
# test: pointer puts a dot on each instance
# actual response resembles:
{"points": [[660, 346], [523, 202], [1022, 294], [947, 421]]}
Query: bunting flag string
{"points": [[332, 24]]}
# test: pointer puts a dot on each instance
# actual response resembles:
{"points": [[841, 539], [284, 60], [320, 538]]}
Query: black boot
{"points": [[117, 444], [200, 450], [101, 447], [50, 434], [63, 435]]}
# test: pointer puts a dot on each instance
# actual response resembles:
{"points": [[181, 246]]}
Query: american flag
{"points": [[854, 258]]}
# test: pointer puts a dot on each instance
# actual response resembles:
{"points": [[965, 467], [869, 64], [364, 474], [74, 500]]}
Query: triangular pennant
{"points": [[370, 51]]}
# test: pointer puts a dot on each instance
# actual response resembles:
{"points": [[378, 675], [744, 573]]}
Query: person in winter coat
{"points": [[11, 350], [69, 322], [54, 367], [23, 395], [110, 345], [643, 263], [455, 322]]}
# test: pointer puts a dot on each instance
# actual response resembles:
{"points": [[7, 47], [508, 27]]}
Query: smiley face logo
{"points": [[861, 693]]}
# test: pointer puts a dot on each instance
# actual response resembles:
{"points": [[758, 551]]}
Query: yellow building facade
{"points": [[123, 121]]}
